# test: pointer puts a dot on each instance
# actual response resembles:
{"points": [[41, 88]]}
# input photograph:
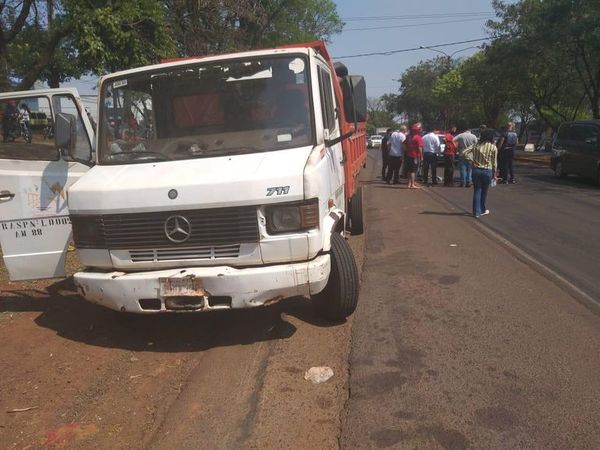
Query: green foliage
{"points": [[416, 87], [380, 114], [114, 35], [543, 63], [60, 39], [555, 45], [55, 40], [227, 25]]}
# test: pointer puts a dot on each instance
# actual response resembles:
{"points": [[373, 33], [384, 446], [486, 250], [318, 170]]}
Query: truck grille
{"points": [[183, 253], [210, 229]]}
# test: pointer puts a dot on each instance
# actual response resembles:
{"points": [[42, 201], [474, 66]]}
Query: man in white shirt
{"points": [[431, 150], [395, 145]]}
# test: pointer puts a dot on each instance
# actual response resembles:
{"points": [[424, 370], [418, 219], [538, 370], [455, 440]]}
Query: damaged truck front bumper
{"points": [[203, 288]]}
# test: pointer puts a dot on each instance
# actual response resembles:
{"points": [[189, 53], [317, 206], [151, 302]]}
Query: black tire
{"points": [[356, 213], [339, 298], [559, 170]]}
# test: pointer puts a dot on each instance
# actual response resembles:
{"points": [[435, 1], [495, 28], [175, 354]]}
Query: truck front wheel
{"points": [[339, 298]]}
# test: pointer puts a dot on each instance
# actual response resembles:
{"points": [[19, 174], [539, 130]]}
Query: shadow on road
{"points": [[545, 180], [442, 213], [71, 317]]}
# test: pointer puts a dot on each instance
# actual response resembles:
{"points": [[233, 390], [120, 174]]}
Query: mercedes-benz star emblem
{"points": [[178, 229]]}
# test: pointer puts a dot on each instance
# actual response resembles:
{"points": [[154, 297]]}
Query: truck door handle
{"points": [[6, 195]]}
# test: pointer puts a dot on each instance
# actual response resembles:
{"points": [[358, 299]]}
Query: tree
{"points": [[557, 42], [416, 87], [379, 115], [54, 40], [216, 26]]}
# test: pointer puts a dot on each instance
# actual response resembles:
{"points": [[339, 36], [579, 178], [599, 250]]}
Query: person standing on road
{"points": [[413, 150], [431, 149], [483, 157], [449, 154], [508, 145], [463, 141], [396, 153], [385, 153]]}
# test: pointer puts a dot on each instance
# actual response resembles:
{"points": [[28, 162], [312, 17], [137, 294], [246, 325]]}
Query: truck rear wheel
{"points": [[339, 298], [356, 213]]}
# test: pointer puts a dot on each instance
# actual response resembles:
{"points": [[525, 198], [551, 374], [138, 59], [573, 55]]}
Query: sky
{"points": [[393, 25], [416, 23]]}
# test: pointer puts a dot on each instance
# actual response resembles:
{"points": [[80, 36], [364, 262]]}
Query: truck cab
{"points": [[219, 182]]}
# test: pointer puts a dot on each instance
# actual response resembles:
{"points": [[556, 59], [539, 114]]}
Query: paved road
{"points": [[456, 344], [555, 220]]}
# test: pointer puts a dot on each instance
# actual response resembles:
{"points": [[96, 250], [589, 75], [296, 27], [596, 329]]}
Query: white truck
{"points": [[211, 183]]}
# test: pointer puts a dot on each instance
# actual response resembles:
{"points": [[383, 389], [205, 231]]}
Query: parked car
{"points": [[374, 141], [576, 150]]}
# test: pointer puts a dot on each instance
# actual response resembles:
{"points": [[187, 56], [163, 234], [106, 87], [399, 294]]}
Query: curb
{"points": [[548, 273]]}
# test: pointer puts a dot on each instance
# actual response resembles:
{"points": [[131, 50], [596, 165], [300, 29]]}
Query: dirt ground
{"points": [[75, 375]]}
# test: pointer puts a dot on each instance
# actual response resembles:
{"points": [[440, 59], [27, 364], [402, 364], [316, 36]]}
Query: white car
{"points": [[374, 141]]}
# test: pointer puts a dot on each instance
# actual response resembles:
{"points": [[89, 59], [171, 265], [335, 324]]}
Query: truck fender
{"points": [[334, 222]]}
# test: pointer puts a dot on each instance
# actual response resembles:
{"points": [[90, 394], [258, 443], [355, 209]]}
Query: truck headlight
{"points": [[293, 217]]}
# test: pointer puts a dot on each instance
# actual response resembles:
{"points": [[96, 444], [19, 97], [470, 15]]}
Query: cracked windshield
{"points": [[205, 110]]}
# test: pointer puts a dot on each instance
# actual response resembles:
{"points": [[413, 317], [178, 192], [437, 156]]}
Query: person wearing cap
{"points": [[413, 154], [483, 157]]}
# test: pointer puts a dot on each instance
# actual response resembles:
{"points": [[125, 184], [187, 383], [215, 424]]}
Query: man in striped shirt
{"points": [[483, 157]]}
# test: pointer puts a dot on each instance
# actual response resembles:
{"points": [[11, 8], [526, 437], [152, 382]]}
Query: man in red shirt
{"points": [[449, 153], [413, 152]]}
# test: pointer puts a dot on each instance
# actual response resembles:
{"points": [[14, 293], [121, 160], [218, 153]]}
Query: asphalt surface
{"points": [[557, 221], [456, 344]]}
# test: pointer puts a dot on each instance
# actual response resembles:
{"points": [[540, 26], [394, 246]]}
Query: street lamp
{"points": [[449, 56]]}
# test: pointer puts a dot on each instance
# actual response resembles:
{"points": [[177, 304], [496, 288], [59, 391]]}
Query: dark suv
{"points": [[576, 150]]}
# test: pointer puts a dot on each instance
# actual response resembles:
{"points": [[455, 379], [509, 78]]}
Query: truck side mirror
{"points": [[354, 90], [65, 136]]}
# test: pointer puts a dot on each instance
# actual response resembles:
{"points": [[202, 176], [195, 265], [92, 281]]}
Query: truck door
{"points": [[35, 173], [332, 131]]}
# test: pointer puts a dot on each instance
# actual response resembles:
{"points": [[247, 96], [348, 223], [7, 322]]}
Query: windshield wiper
{"points": [[224, 152], [140, 155]]}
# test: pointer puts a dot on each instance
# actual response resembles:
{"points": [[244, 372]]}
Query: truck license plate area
{"points": [[181, 287]]}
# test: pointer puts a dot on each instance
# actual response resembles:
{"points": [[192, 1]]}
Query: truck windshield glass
{"points": [[205, 110]]}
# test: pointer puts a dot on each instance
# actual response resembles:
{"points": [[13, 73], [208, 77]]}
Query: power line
{"points": [[404, 50], [417, 24], [416, 16]]}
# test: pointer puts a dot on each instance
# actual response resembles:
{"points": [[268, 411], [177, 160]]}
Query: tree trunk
{"points": [[54, 75]]}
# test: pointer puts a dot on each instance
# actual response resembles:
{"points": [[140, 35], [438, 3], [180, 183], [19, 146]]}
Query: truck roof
{"points": [[181, 62], [38, 92]]}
